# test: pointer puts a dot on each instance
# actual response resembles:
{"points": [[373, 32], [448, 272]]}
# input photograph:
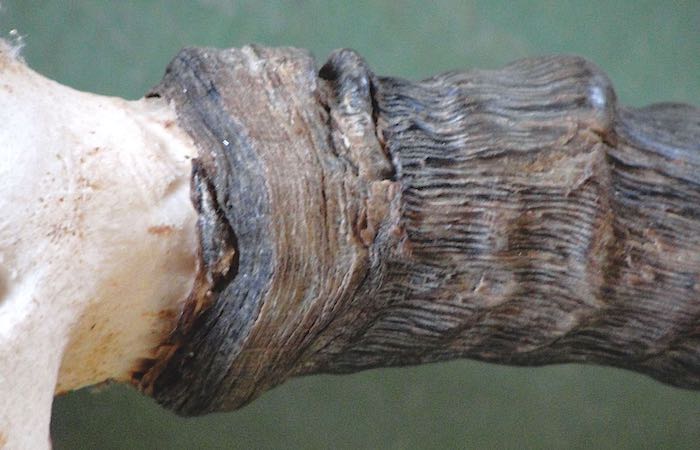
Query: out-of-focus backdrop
{"points": [[650, 49]]}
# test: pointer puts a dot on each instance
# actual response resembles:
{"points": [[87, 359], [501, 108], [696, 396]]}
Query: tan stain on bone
{"points": [[160, 229]]}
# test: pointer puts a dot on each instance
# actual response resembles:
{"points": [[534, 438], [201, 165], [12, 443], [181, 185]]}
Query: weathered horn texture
{"points": [[349, 221]]}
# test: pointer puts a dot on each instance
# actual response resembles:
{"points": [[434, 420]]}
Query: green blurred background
{"points": [[651, 50]]}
